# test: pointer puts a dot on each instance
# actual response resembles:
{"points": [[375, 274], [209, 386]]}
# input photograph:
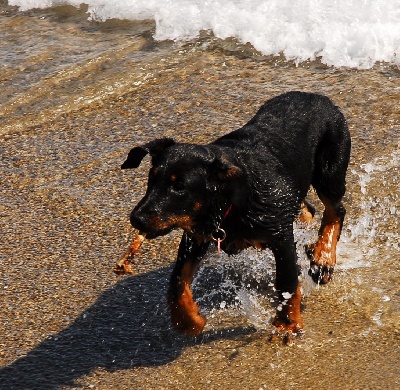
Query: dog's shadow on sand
{"points": [[128, 326]]}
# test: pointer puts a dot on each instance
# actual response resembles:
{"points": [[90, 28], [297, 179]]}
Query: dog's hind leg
{"points": [[329, 180], [323, 253], [185, 314]]}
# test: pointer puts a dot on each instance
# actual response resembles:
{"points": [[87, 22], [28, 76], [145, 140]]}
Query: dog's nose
{"points": [[137, 221]]}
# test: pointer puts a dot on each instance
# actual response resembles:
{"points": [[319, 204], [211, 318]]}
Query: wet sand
{"points": [[69, 322]]}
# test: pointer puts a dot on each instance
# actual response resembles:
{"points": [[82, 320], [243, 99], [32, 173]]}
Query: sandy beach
{"points": [[67, 321]]}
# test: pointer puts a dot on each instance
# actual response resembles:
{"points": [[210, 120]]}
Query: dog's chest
{"points": [[236, 245]]}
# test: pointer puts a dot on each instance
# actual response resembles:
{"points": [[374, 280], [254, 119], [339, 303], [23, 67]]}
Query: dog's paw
{"points": [[189, 324], [320, 274], [287, 336], [286, 330]]}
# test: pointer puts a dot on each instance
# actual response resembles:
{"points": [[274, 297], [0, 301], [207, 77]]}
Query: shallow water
{"points": [[76, 95], [340, 33]]}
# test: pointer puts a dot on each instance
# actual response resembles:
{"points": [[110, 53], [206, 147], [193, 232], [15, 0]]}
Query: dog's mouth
{"points": [[156, 226], [150, 234]]}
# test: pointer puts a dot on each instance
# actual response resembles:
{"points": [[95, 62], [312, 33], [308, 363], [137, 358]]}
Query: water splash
{"points": [[246, 280], [380, 208]]}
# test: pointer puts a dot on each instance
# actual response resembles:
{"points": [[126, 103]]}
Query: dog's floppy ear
{"points": [[155, 147], [226, 170]]}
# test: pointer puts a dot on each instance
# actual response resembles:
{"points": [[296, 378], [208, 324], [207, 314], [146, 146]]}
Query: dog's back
{"points": [[299, 134], [299, 116]]}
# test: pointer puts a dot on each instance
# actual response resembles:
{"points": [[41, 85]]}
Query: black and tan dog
{"points": [[246, 189]]}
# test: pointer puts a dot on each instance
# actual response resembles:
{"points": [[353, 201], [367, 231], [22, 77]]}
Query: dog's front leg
{"points": [[288, 317], [185, 314]]}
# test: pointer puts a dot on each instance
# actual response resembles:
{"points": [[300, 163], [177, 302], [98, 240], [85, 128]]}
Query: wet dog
{"points": [[245, 190]]}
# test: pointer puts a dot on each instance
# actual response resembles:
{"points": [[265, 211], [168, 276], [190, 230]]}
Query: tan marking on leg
{"points": [[324, 251], [289, 319], [325, 248], [185, 314]]}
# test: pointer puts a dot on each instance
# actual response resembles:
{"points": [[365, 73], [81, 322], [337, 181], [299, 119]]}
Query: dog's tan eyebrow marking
{"points": [[173, 178], [197, 206]]}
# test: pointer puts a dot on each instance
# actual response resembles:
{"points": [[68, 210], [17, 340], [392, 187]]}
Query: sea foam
{"points": [[351, 33]]}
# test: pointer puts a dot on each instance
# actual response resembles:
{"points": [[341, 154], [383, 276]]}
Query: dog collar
{"points": [[219, 234], [228, 211]]}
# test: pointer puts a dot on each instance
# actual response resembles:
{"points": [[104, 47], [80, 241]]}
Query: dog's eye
{"points": [[178, 186], [176, 183]]}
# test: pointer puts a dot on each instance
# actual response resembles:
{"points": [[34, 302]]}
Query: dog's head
{"points": [[184, 189]]}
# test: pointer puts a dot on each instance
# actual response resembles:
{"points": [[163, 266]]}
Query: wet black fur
{"points": [[261, 173]]}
